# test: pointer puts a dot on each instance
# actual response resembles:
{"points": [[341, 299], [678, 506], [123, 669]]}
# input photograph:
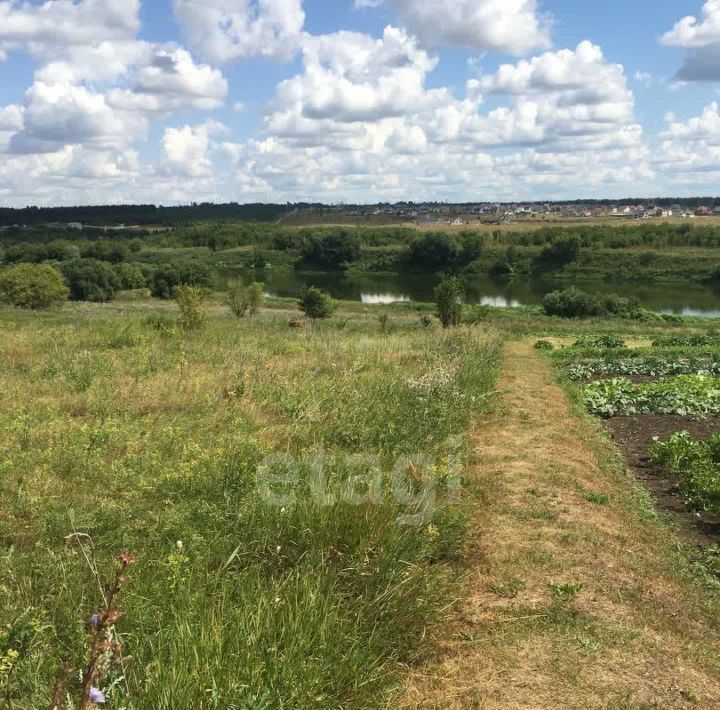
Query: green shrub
{"points": [[475, 315], [692, 341], [448, 299], [168, 276], [570, 303], [190, 301], [336, 250], [558, 254], [32, 286], [245, 300], [316, 303], [434, 251], [544, 345], [91, 280], [107, 250], [131, 276], [575, 303], [602, 342]]}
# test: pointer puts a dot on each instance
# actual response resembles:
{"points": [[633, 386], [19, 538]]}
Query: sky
{"points": [[178, 101]]}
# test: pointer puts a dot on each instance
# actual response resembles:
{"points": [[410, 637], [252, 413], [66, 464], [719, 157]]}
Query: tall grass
{"points": [[152, 442]]}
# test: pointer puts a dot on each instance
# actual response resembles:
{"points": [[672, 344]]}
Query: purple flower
{"points": [[95, 620], [97, 697]]}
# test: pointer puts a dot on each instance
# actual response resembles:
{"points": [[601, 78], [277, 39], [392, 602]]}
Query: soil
{"points": [[634, 436]]}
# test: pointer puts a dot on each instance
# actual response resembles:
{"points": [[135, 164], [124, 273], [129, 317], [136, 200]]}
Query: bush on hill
{"points": [[91, 280], [32, 286]]}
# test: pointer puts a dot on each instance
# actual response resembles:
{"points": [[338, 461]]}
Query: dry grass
{"points": [[636, 635]]}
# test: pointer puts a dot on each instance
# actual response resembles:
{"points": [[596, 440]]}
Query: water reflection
{"points": [[370, 289], [500, 302], [381, 298]]}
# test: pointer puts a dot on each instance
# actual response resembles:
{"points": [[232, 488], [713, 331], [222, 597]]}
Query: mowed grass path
{"points": [[577, 596]]}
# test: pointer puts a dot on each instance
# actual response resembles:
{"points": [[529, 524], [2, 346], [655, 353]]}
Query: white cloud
{"points": [[58, 115], [186, 148], [512, 26], [690, 150], [583, 71], [358, 122], [97, 62], [59, 23], [693, 32], [559, 96], [351, 77], [701, 38], [644, 78], [228, 30], [704, 128], [171, 80], [11, 118]]}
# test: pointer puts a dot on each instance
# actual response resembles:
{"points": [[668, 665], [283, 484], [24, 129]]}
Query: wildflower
{"points": [[97, 697], [95, 620], [432, 531]]}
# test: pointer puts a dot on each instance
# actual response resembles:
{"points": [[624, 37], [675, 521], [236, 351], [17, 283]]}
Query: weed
{"points": [[190, 301], [598, 498], [564, 592], [507, 590]]}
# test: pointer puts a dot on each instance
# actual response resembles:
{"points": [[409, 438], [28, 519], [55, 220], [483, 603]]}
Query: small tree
{"points": [[236, 299], [254, 297], [190, 301], [91, 280], [245, 300], [32, 286], [316, 303], [448, 298]]}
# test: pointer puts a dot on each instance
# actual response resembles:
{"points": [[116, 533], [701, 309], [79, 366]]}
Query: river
{"points": [[680, 299]]}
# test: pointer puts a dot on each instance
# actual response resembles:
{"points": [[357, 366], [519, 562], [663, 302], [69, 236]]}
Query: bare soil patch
{"points": [[634, 436]]}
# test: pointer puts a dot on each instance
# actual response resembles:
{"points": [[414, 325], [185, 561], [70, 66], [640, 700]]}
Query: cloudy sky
{"points": [[170, 101]]}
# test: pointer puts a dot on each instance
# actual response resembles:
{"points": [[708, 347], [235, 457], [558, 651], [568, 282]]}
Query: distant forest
{"points": [[146, 215], [141, 214]]}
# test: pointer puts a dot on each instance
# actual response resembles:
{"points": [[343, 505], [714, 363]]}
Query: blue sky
{"points": [[356, 100]]}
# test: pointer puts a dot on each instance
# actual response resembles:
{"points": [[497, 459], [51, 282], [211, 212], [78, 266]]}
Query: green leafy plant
{"points": [[544, 345], [686, 395], [32, 286], [564, 591], [651, 367], [598, 498], [696, 462], [600, 342]]}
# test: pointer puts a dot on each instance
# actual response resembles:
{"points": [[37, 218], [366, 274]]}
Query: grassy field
{"points": [[521, 224], [292, 499], [248, 467]]}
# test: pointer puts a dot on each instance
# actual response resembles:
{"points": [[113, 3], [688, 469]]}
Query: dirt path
{"points": [[547, 517]]}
